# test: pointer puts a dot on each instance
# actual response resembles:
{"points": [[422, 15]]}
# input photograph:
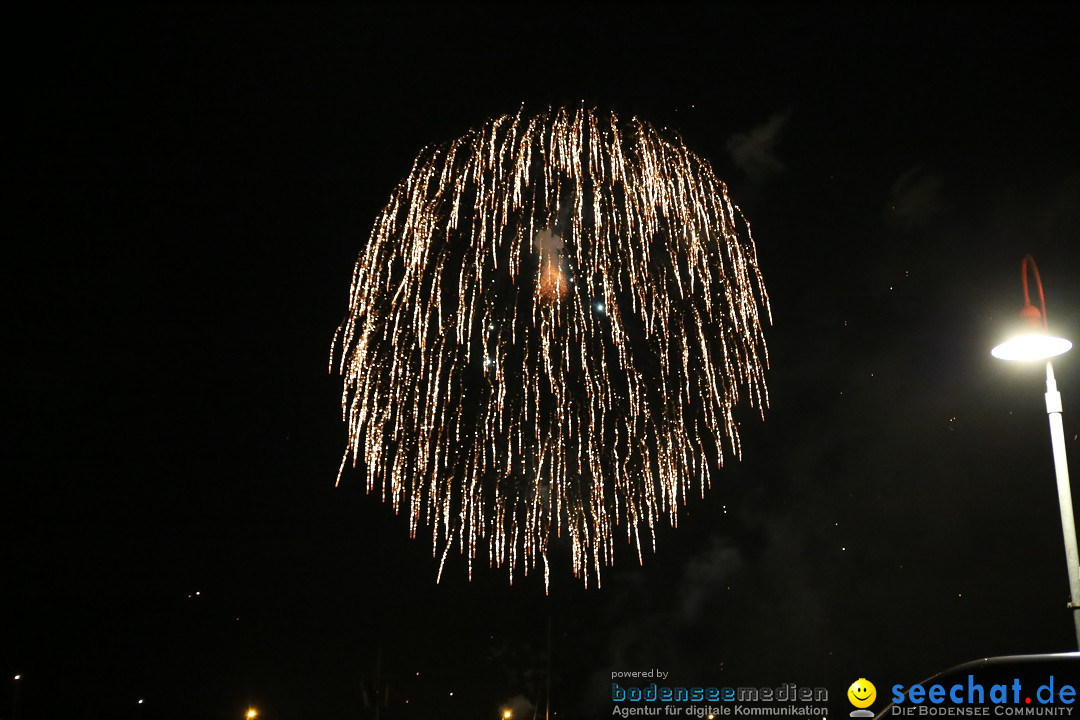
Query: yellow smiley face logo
{"points": [[862, 693]]}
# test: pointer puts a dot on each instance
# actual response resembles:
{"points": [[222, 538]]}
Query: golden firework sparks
{"points": [[549, 330]]}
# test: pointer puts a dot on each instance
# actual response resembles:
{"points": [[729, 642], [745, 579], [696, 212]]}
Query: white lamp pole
{"points": [[1038, 344], [1061, 469]]}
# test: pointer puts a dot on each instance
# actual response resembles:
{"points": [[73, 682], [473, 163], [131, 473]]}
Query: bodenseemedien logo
{"points": [[862, 694], [710, 701]]}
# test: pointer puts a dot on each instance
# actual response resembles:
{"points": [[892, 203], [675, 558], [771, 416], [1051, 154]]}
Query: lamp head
{"points": [[1031, 341]]}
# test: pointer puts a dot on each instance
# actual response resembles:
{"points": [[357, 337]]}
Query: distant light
{"points": [[140, 701], [599, 307], [252, 713], [507, 714], [18, 677], [1031, 346]]}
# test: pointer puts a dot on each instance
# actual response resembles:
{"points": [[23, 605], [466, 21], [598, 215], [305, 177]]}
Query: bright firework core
{"points": [[548, 332]]}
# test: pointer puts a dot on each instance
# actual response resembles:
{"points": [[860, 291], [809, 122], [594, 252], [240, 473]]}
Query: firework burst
{"points": [[549, 331]]}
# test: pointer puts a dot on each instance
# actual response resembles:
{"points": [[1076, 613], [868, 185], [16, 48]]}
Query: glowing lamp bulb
{"points": [[1031, 346], [252, 714], [507, 715]]}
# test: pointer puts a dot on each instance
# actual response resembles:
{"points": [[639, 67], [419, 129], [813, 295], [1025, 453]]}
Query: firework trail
{"points": [[548, 332]]}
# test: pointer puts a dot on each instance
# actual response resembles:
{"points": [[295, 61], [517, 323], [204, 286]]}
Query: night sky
{"points": [[191, 189]]}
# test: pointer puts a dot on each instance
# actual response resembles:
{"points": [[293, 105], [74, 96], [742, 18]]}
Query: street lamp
{"points": [[1036, 343]]}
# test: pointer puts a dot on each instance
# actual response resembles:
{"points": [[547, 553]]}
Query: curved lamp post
{"points": [[1034, 342]]}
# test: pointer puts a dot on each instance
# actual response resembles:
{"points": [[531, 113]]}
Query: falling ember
{"points": [[549, 330]]}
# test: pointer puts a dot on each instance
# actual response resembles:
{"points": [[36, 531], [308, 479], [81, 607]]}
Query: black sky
{"points": [[191, 188]]}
